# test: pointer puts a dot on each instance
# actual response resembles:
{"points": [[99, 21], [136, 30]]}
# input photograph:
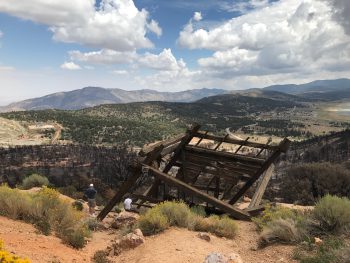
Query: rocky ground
{"points": [[174, 245]]}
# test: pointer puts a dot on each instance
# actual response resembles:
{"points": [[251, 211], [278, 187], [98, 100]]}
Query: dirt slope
{"points": [[175, 245]]}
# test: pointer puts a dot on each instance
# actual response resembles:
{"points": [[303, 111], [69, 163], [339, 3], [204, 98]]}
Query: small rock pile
{"points": [[125, 219], [219, 258], [129, 241]]}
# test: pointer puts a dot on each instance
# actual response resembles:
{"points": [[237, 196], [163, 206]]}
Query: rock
{"points": [[124, 218], [219, 258], [204, 236], [132, 240], [318, 241]]}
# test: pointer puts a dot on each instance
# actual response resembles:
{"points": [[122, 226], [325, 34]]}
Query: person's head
{"points": [[91, 185]]}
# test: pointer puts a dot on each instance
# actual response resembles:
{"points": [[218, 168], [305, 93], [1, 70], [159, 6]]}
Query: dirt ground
{"points": [[174, 245]]}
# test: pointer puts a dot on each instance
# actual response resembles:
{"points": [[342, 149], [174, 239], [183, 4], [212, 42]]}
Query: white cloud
{"points": [[243, 6], [288, 36], [104, 56], [164, 61], [197, 16], [70, 66], [120, 72], [115, 24], [6, 68], [341, 10]]}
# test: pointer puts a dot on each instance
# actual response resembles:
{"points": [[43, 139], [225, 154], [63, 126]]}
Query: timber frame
{"points": [[201, 168]]}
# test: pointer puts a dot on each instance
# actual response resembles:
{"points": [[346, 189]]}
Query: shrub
{"points": [[7, 257], [100, 256], [177, 213], [223, 226], [282, 231], [34, 180], [153, 222], [332, 214], [47, 212], [272, 213], [343, 255], [198, 210], [78, 205]]}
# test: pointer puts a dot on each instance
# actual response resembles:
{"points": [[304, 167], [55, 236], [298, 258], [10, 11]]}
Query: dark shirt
{"points": [[90, 193]]}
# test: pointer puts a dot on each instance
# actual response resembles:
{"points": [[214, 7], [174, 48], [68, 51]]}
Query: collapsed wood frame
{"points": [[199, 167]]}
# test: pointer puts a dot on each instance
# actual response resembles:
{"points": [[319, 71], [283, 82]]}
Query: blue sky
{"points": [[175, 45]]}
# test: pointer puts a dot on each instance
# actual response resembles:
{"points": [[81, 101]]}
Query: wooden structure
{"points": [[201, 168]]}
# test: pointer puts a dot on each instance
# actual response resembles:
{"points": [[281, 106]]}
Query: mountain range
{"points": [[319, 90]]}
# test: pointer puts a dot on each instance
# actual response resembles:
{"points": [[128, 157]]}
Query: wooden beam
{"points": [[147, 149], [284, 144], [234, 212], [125, 187], [184, 141], [240, 147], [225, 156], [147, 198], [260, 190], [239, 142]]}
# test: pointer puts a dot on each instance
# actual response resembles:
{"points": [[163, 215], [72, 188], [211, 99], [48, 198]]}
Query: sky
{"points": [[62, 45]]}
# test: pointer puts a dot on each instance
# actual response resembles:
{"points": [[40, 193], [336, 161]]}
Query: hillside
{"points": [[93, 96], [144, 122], [319, 89]]}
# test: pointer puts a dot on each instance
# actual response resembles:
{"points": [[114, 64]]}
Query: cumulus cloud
{"points": [[70, 66], [197, 16], [243, 6], [114, 24], [164, 61], [288, 36], [341, 10], [103, 56]]}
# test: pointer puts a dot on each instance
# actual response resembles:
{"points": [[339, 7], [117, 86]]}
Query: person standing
{"points": [[90, 193], [127, 203]]}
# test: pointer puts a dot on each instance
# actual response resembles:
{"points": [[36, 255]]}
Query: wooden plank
{"points": [[283, 145], [218, 145], [234, 212], [239, 142], [147, 198], [258, 195], [225, 156], [146, 150], [185, 140], [125, 187], [200, 139], [240, 147]]}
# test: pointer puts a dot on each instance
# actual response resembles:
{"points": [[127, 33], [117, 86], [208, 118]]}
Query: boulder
{"points": [[219, 258], [125, 218], [129, 241]]}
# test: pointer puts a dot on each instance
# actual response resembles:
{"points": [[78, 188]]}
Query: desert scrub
{"points": [[7, 257], [100, 256], [168, 214], [47, 212], [34, 180], [153, 222], [281, 231], [272, 213], [332, 215]]}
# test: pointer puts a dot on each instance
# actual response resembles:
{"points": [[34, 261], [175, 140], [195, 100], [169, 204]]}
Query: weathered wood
{"points": [[239, 142], [200, 139], [283, 145], [126, 186], [146, 150], [234, 212], [225, 156], [184, 141], [147, 198], [240, 147], [218, 145], [258, 195]]}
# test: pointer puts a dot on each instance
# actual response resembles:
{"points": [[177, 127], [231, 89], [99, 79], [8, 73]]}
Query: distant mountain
{"points": [[318, 86], [93, 96]]}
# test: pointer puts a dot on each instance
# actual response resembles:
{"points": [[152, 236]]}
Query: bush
{"points": [[7, 257], [223, 226], [100, 256], [272, 213], [198, 210], [78, 205], [332, 214], [177, 213], [305, 184], [34, 180], [153, 222], [281, 231], [47, 212]]}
